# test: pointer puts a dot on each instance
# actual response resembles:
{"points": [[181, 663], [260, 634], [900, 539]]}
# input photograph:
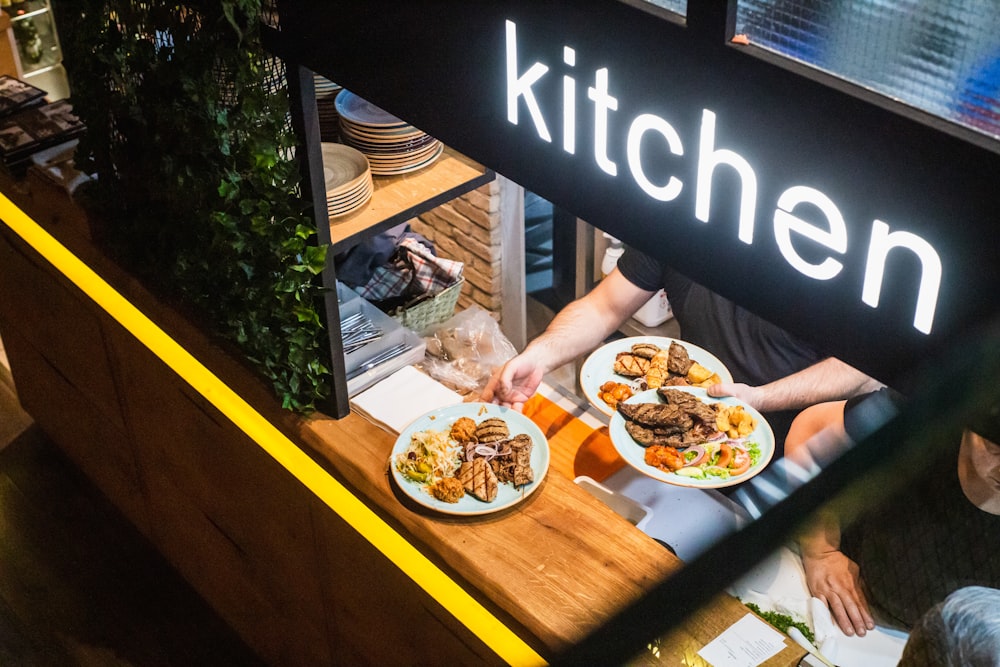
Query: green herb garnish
{"points": [[782, 621]]}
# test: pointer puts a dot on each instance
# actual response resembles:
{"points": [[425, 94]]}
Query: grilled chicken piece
{"points": [[645, 350], [629, 365], [477, 478], [660, 360], [656, 377], [493, 429]]}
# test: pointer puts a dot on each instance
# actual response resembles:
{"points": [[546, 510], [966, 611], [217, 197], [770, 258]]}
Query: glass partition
{"points": [[677, 6], [940, 56]]}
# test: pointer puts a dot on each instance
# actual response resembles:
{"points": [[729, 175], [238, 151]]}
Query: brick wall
{"points": [[467, 229]]}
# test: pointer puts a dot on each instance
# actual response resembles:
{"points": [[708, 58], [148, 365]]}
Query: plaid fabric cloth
{"points": [[412, 271]]}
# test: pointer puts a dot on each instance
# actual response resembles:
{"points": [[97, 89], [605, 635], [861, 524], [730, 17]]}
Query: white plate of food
{"points": [[605, 383], [674, 434], [430, 440]]}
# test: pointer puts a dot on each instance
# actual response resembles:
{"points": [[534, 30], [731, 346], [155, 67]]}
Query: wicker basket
{"points": [[435, 310]]}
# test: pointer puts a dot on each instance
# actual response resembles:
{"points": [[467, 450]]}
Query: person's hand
{"points": [[834, 578], [744, 392], [514, 383]]}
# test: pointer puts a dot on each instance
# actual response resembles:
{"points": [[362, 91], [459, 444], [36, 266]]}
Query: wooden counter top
{"points": [[558, 564]]}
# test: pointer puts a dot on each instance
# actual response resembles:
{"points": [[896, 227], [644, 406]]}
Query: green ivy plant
{"points": [[197, 186]]}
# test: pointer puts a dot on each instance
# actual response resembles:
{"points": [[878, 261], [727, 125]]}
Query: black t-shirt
{"points": [[924, 542], [755, 351]]}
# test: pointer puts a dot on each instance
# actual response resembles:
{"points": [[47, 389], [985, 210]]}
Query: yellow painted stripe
{"points": [[428, 576]]}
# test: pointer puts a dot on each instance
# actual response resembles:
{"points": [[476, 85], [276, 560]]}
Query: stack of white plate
{"points": [[326, 107], [348, 179], [391, 145]]}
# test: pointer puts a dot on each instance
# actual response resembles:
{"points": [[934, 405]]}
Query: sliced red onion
{"points": [[697, 449]]}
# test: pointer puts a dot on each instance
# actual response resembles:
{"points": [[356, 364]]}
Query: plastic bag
{"points": [[463, 351]]}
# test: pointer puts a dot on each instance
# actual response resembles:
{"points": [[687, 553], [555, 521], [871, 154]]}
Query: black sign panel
{"points": [[854, 226]]}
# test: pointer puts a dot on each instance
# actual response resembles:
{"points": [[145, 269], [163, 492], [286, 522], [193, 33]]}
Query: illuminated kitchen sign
{"points": [[830, 239]]}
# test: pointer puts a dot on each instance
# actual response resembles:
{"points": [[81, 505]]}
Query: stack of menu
{"points": [[16, 95], [29, 124]]}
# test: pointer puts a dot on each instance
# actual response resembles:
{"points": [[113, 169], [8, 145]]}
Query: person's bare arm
{"points": [[575, 330], [826, 380], [833, 577], [818, 434]]}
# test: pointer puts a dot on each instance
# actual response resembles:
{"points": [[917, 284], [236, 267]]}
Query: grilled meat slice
{"points": [[688, 403], [681, 421], [647, 437], [478, 479], [492, 430], [521, 447], [678, 361], [629, 365], [656, 415], [515, 465]]}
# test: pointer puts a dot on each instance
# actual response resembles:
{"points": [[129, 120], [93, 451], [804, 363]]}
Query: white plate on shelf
{"points": [[598, 368], [441, 420], [634, 453]]}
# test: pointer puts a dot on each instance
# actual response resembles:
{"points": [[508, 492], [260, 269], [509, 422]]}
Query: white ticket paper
{"points": [[746, 643]]}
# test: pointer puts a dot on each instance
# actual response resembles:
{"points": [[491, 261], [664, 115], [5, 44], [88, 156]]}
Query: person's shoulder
{"points": [[641, 269]]}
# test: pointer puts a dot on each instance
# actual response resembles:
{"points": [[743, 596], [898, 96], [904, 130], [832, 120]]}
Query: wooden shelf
{"points": [[399, 198]]}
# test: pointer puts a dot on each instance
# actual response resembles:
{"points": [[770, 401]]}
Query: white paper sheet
{"points": [[402, 397], [746, 643]]}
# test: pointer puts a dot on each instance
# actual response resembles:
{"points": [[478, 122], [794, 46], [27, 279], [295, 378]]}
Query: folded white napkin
{"points": [[400, 398], [881, 647]]}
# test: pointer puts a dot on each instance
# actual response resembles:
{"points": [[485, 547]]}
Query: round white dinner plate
{"points": [[634, 453], [598, 368], [441, 419]]}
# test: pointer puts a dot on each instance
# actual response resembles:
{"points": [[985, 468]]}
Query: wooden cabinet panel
{"points": [[97, 446], [377, 615], [53, 314], [230, 518]]}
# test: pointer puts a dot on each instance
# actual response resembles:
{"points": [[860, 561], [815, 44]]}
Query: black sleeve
{"points": [[866, 413], [641, 270]]}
